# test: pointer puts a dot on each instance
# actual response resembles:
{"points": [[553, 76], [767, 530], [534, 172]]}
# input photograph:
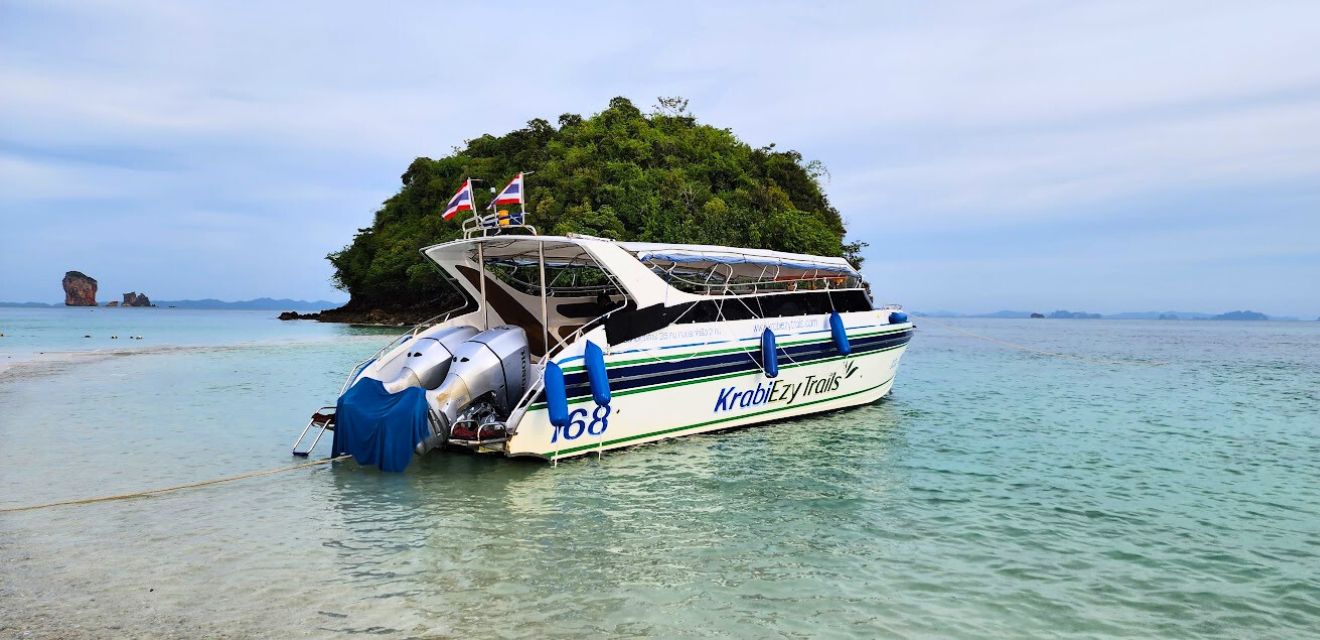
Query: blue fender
{"points": [[898, 317], [769, 354], [556, 396], [840, 334], [596, 373]]}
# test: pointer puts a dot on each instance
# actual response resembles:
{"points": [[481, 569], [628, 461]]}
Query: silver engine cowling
{"points": [[428, 358], [486, 379]]}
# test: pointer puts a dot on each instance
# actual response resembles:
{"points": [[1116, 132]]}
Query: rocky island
{"points": [[294, 315], [79, 289], [625, 174], [135, 299]]}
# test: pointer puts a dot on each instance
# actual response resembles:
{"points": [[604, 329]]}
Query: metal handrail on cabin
{"points": [[520, 408], [702, 284], [538, 384], [473, 227]]}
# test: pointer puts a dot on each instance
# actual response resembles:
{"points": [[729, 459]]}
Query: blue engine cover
{"points": [[380, 428]]}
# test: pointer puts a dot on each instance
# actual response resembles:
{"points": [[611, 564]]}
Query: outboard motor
{"points": [[429, 358], [384, 416], [487, 377]]}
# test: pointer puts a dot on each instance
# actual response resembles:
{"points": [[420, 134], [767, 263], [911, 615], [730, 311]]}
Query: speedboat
{"points": [[571, 345]]}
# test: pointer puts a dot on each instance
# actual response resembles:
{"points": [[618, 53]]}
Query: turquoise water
{"points": [[29, 332], [1160, 482]]}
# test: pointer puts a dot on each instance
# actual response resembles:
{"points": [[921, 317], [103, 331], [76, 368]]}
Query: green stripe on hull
{"points": [[747, 349], [586, 447], [725, 376]]}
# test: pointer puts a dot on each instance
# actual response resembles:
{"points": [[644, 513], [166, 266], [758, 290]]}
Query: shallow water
{"points": [[1161, 481]]}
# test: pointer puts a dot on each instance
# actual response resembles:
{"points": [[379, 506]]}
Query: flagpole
{"points": [[481, 271], [481, 258], [493, 206], [522, 195], [472, 197]]}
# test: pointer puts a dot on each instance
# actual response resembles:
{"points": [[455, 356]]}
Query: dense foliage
{"points": [[620, 174]]}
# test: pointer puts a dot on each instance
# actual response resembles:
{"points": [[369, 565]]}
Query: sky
{"points": [[1117, 156]]}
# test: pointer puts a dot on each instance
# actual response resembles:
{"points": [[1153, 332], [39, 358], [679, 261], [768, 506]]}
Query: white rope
{"points": [[177, 487]]}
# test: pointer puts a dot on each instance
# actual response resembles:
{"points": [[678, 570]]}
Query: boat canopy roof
{"points": [[567, 250], [650, 271], [745, 262], [559, 250]]}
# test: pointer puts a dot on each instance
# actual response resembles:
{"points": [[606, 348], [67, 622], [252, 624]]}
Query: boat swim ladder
{"points": [[323, 420]]}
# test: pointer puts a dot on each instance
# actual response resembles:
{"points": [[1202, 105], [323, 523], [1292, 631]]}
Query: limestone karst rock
{"points": [[135, 299], [79, 289]]}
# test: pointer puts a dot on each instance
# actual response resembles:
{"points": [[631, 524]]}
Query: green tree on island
{"points": [[621, 174]]}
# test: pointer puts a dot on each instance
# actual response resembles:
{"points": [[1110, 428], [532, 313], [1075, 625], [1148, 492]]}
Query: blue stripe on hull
{"points": [[651, 373]]}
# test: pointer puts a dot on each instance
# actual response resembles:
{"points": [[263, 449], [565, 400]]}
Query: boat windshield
{"points": [[563, 279], [509, 286]]}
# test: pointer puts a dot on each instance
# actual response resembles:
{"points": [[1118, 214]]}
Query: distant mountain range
{"points": [[1126, 315], [265, 304]]}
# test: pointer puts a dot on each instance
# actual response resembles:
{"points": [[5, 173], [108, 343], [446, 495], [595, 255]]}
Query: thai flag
{"points": [[462, 201], [512, 193]]}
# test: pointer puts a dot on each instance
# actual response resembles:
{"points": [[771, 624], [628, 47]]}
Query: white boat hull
{"points": [[651, 410], [681, 340]]}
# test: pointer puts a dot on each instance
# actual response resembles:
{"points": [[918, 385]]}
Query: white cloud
{"points": [[996, 178], [25, 181]]}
